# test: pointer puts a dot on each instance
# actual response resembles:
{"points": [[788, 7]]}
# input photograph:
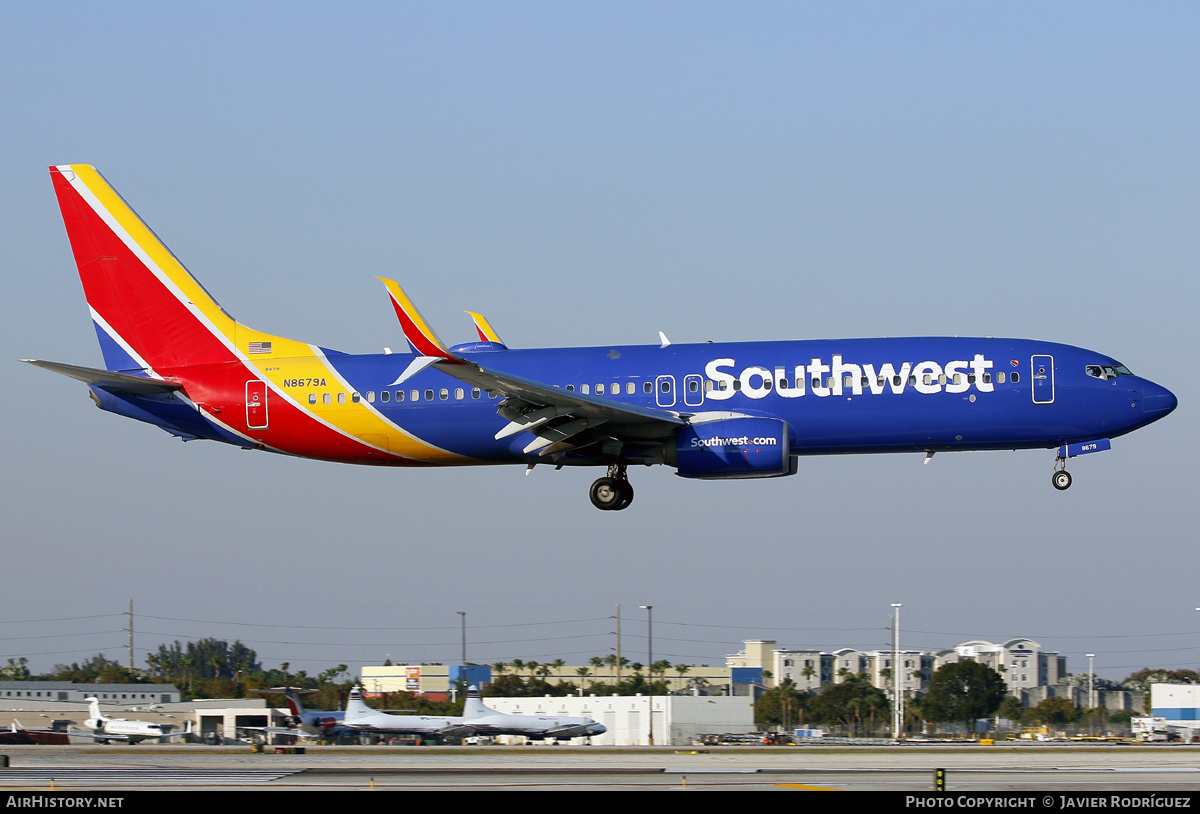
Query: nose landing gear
{"points": [[614, 492]]}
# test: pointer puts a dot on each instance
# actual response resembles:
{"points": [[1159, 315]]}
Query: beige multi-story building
{"points": [[1022, 663]]}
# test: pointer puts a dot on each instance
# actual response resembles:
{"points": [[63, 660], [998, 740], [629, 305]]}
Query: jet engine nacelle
{"points": [[746, 447]]}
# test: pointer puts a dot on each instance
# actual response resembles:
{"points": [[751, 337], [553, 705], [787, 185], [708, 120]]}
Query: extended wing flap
{"points": [[544, 395]]}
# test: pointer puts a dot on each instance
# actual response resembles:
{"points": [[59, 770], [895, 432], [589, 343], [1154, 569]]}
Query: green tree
{"points": [[1010, 708], [963, 692], [1052, 711], [781, 706], [1143, 678], [15, 670], [854, 702]]}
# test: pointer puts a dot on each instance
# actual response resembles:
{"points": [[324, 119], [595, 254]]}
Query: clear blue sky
{"points": [[586, 175]]}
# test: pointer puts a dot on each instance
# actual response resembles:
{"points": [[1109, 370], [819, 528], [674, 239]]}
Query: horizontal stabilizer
{"points": [[117, 382]]}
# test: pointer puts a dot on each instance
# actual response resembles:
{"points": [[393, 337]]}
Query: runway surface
{"points": [[1166, 768]]}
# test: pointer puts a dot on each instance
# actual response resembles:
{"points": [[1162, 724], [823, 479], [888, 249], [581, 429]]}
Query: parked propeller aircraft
{"points": [[176, 359], [486, 721], [362, 718]]}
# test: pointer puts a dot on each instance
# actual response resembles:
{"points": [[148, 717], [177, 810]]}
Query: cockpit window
{"points": [[1108, 371]]}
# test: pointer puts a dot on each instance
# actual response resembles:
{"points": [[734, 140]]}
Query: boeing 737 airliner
{"points": [[176, 359]]}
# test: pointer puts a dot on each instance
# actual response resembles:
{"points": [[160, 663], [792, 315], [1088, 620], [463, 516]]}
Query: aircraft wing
{"points": [[121, 382], [561, 420], [282, 730], [18, 734]]}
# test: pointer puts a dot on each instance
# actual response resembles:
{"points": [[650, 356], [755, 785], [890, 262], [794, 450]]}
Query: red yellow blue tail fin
{"points": [[149, 311]]}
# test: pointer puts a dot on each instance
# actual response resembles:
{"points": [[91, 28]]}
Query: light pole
{"points": [[897, 675], [649, 609], [1091, 693], [1198, 672], [463, 617], [462, 668]]}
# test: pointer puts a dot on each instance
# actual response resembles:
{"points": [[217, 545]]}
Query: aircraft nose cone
{"points": [[1157, 400]]}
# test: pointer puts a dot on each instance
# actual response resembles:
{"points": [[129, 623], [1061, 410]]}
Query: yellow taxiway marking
{"points": [[804, 787]]}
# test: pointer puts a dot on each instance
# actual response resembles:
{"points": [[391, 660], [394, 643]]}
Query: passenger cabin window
{"points": [[399, 396], [371, 396], [341, 398], [386, 396], [1016, 377], [475, 392], [586, 389], [415, 395], [312, 398], [429, 395], [326, 398], [648, 387], [444, 393], [630, 388], [570, 389], [459, 393]]}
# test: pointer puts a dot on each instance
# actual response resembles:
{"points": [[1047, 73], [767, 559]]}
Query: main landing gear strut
{"points": [[614, 492], [1061, 477]]}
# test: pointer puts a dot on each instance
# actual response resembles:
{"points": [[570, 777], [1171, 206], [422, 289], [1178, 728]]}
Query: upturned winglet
{"points": [[416, 330], [484, 328]]}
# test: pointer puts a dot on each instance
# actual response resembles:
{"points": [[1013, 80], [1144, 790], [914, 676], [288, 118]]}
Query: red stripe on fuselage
{"points": [[219, 390]]}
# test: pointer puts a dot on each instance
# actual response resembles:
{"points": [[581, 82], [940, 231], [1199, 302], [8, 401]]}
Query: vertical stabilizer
{"points": [[149, 311], [474, 707]]}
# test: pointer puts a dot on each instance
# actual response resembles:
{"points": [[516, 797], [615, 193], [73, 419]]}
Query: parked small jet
{"points": [[487, 721], [122, 728], [176, 359], [362, 718]]}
